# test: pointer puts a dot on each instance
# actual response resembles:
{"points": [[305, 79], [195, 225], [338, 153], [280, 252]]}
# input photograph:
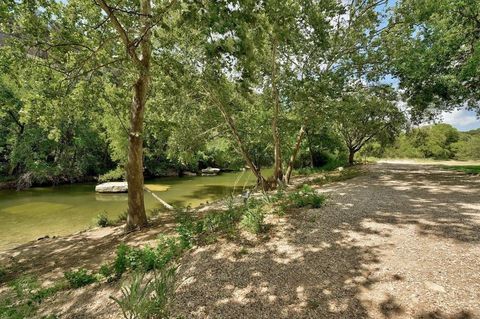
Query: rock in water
{"points": [[112, 187], [210, 171]]}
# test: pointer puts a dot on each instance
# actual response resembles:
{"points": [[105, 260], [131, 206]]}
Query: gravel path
{"points": [[402, 241]]}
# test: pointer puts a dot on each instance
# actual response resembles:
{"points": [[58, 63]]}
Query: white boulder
{"points": [[210, 171], [112, 187]]}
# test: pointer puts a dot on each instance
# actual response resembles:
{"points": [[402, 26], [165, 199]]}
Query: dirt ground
{"points": [[401, 241]]}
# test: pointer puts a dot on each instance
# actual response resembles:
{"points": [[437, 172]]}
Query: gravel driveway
{"points": [[402, 241]]}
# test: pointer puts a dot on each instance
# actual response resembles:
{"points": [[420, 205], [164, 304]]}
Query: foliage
{"points": [[146, 258], [440, 141], [306, 196], [148, 298], [115, 174], [102, 220], [122, 217], [433, 51], [367, 114], [106, 271], [253, 219], [27, 294], [79, 278], [120, 264]]}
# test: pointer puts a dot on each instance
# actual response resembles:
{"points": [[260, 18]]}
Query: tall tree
{"points": [[434, 50]]}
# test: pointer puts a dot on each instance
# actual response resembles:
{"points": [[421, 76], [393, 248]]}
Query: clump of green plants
{"points": [[122, 217], [106, 271], [148, 298], [102, 220], [253, 219], [25, 293], [147, 258], [306, 196], [154, 212], [79, 278]]}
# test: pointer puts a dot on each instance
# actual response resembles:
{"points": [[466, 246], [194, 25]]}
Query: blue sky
{"points": [[462, 119]]}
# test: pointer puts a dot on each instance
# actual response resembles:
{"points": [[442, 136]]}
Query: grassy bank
{"points": [[145, 270]]}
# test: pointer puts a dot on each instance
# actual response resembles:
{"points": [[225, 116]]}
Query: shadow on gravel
{"points": [[311, 266]]}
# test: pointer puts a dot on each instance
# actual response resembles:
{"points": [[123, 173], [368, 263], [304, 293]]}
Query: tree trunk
{"points": [[288, 173], [351, 156], [243, 150], [277, 171], [136, 206]]}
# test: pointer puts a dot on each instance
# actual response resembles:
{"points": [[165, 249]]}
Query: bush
{"points": [[147, 298], [79, 278], [146, 258], [106, 271], [113, 175], [102, 220], [120, 263], [306, 196], [253, 220]]}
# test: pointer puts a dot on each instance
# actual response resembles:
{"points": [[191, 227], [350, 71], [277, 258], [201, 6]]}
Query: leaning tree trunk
{"points": [[288, 173], [136, 206], [243, 150]]}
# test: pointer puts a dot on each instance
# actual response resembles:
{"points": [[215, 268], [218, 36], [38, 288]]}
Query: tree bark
{"points": [[136, 206], [351, 156], [136, 217], [277, 170], [243, 150], [288, 173]]}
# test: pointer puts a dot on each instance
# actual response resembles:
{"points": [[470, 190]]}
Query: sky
{"points": [[462, 119]]}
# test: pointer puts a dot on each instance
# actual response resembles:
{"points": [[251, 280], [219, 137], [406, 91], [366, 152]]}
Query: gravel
{"points": [[402, 241]]}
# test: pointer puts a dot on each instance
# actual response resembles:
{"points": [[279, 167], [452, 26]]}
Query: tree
{"points": [[434, 51], [364, 114]]}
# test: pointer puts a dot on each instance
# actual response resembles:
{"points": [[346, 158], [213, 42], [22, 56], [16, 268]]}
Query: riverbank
{"points": [[48, 259], [390, 242]]}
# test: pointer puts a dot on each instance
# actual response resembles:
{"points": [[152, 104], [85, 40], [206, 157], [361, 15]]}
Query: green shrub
{"points": [[147, 298], [106, 271], [306, 196], [120, 263], [253, 220], [143, 258], [102, 220], [113, 175], [79, 278]]}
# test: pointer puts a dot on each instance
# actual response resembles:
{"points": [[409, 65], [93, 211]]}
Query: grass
{"points": [[25, 295], [79, 278], [474, 169]]}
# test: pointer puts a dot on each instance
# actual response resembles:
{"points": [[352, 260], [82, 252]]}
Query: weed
{"points": [[253, 220], [145, 298], [306, 196], [106, 271], [121, 218], [155, 212], [120, 263], [79, 278], [102, 220]]}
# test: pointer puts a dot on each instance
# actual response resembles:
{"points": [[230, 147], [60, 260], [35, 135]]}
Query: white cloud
{"points": [[461, 119]]}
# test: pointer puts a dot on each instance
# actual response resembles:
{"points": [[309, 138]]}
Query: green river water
{"points": [[61, 210]]}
